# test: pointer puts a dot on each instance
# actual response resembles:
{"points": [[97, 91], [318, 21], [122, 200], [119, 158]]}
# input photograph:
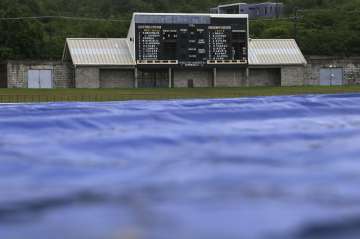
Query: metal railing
{"points": [[37, 98], [11, 98]]}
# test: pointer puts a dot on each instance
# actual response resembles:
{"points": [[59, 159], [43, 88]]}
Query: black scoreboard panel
{"points": [[193, 44], [228, 39], [148, 42]]}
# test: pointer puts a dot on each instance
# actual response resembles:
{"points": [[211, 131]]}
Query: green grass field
{"points": [[53, 95]]}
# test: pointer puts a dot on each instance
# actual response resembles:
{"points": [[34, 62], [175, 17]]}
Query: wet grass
{"points": [[53, 95]]}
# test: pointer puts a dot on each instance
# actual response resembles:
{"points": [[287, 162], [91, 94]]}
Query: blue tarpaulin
{"points": [[252, 168]]}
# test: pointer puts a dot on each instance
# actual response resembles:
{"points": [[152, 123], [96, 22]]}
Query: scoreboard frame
{"points": [[220, 39]]}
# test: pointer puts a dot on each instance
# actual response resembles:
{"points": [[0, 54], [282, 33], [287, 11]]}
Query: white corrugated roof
{"points": [[275, 52], [115, 52], [99, 51]]}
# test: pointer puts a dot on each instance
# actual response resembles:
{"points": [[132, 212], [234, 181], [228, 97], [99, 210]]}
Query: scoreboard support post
{"points": [[170, 77], [136, 74], [247, 77], [214, 76]]}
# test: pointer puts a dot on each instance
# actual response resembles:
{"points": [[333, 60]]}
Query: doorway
{"points": [[40, 79], [331, 76], [154, 78], [3, 76]]}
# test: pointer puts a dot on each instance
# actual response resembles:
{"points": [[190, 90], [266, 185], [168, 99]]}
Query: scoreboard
{"points": [[211, 40]]}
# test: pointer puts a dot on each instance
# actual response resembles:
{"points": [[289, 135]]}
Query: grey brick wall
{"points": [[264, 77], [114, 78], [230, 77], [201, 78], [292, 75], [350, 66], [352, 74], [87, 77], [17, 73], [63, 75]]}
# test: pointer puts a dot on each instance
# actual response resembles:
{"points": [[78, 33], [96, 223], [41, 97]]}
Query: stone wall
{"points": [[200, 78], [350, 66], [87, 77], [90, 77], [264, 77], [114, 78], [230, 77], [292, 76], [17, 73], [63, 76]]}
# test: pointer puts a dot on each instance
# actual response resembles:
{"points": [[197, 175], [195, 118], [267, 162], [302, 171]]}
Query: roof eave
{"points": [[277, 65], [106, 65]]}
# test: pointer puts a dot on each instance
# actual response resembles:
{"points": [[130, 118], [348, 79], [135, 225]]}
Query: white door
{"points": [[33, 79], [331, 76], [45, 79], [40, 79]]}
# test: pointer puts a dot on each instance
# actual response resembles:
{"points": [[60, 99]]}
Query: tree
{"points": [[329, 27]]}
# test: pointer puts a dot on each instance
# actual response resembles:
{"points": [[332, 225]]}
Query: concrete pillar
{"points": [[214, 76], [74, 75], [170, 77], [136, 74], [247, 77]]}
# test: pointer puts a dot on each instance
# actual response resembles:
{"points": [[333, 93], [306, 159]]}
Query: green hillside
{"points": [[325, 27]]}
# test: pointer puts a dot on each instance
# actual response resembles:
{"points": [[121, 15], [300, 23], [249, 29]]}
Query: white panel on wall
{"points": [[331, 76], [45, 79], [33, 79], [40, 79]]}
